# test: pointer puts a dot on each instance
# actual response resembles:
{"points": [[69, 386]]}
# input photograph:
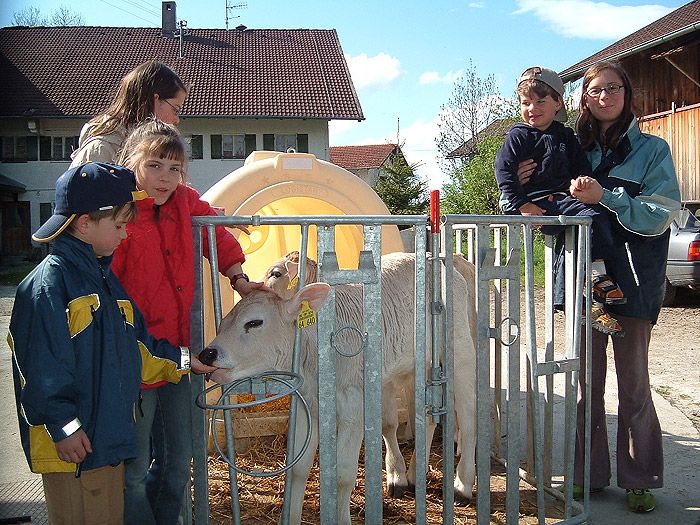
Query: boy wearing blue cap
{"points": [[81, 350], [559, 159]]}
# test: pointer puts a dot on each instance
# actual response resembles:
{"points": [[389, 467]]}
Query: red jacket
{"points": [[155, 264]]}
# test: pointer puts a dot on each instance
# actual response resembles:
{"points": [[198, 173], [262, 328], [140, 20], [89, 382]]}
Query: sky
{"points": [[405, 57]]}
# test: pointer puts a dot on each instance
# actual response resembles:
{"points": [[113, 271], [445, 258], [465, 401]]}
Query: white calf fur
{"points": [[258, 335]]}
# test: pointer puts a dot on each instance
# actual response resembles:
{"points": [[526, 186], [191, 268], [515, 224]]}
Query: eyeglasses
{"points": [[175, 108], [610, 89]]}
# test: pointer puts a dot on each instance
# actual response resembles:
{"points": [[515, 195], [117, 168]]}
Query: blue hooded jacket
{"points": [[78, 344]]}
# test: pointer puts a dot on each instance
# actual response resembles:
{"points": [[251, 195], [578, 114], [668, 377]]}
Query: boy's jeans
{"points": [[164, 441]]}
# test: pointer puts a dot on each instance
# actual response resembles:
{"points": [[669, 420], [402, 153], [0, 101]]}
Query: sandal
{"points": [[604, 322], [606, 291]]}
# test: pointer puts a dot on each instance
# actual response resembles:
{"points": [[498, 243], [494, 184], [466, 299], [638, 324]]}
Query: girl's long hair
{"points": [[153, 139], [587, 127], [134, 100]]}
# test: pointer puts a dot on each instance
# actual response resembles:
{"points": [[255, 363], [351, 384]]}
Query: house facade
{"points": [[249, 89]]}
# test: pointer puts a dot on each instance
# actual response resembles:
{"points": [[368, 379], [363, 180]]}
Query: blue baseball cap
{"points": [[94, 186]]}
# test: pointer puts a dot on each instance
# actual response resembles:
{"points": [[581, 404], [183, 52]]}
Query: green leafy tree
{"points": [[472, 187], [402, 190]]}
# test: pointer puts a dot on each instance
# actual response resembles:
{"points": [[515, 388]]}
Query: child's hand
{"points": [[198, 367], [74, 448], [529, 209], [586, 189], [525, 170], [581, 183], [244, 287]]}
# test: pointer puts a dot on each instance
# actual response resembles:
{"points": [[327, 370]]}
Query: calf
{"points": [[258, 335]]}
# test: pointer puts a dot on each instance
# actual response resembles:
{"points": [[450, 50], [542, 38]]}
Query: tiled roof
{"points": [[354, 157], [684, 20], [266, 73]]}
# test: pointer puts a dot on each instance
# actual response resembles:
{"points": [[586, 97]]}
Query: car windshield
{"points": [[689, 215]]}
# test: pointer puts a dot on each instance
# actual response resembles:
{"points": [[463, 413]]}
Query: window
{"points": [[282, 142], [19, 149], [54, 148], [195, 146], [232, 146]]}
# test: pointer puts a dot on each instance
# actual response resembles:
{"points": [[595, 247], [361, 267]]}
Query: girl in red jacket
{"points": [[156, 266]]}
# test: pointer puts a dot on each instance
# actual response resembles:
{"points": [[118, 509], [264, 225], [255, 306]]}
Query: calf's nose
{"points": [[208, 356]]}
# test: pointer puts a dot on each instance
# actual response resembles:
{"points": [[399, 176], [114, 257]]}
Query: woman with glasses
{"points": [[634, 179], [150, 90]]}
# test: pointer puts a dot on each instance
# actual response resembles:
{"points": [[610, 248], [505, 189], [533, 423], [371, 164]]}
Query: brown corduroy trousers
{"points": [[639, 447]]}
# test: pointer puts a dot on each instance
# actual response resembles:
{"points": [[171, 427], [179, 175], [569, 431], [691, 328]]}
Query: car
{"points": [[683, 263]]}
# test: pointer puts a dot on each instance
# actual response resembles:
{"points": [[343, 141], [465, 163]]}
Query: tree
{"points": [[402, 190], [472, 188], [32, 16], [475, 103]]}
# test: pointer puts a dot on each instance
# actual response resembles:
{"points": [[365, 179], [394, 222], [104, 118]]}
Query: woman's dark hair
{"points": [[587, 127], [134, 100]]}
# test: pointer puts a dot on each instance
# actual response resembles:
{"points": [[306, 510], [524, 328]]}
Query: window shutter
{"points": [[216, 146], [32, 147], [269, 142], [303, 143], [44, 148], [196, 147], [250, 144]]}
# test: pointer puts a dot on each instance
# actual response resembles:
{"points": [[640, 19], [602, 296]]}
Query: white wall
{"points": [[202, 174], [40, 177]]}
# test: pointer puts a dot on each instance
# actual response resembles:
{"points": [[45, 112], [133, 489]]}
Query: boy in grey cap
{"points": [[80, 350], [559, 157]]}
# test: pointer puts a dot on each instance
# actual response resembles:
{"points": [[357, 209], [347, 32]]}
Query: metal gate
{"points": [[495, 267]]}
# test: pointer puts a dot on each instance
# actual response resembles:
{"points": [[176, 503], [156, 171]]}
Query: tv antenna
{"points": [[229, 7]]}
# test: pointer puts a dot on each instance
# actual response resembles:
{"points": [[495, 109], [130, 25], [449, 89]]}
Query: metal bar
{"points": [[327, 427], [447, 419], [497, 347], [532, 350], [513, 451], [296, 357], [199, 417], [484, 255], [421, 459], [548, 356], [373, 373]]}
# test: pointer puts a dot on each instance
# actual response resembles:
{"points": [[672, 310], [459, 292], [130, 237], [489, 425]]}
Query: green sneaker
{"points": [[578, 491], [640, 500]]}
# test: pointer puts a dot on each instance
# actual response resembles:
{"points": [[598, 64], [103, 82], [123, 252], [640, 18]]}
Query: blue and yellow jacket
{"points": [[641, 191], [80, 352]]}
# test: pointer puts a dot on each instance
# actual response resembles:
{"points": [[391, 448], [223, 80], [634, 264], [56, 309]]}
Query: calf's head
{"points": [[257, 335]]}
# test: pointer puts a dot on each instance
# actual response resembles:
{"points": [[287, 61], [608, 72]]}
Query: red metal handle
{"points": [[435, 211]]}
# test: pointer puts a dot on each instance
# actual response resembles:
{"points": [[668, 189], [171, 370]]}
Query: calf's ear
{"points": [[315, 294]]}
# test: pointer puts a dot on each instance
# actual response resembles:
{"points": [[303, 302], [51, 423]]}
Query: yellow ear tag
{"points": [[293, 284], [307, 316]]}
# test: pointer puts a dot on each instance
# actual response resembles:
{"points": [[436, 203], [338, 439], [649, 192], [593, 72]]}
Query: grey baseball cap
{"points": [[552, 79]]}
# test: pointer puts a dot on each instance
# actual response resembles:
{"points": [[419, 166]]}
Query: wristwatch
{"points": [[237, 276]]}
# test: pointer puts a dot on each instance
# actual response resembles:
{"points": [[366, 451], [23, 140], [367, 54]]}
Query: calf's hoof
{"points": [[397, 491]]}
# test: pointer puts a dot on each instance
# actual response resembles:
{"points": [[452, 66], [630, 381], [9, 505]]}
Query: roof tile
{"points": [[354, 157], [685, 17], [267, 73]]}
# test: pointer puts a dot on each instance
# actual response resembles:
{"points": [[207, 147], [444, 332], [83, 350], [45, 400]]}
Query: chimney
{"points": [[169, 20]]}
